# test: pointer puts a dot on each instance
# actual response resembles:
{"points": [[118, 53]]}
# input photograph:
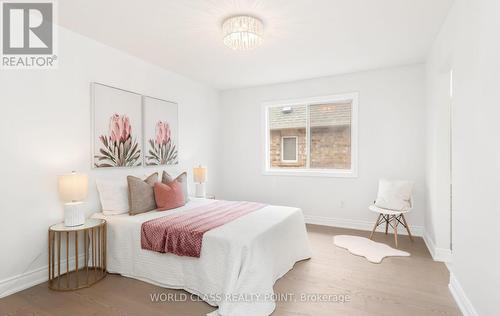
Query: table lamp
{"points": [[200, 177], [73, 190]]}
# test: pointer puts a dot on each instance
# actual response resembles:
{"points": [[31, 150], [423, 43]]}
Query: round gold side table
{"points": [[66, 273]]}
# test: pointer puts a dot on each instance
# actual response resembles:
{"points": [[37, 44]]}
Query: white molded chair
{"points": [[391, 218]]}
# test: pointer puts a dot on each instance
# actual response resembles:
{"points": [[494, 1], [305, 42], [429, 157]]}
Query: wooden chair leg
{"points": [[386, 223], [375, 226], [407, 227], [395, 230]]}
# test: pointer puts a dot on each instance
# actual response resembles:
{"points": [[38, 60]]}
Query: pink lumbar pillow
{"points": [[168, 196]]}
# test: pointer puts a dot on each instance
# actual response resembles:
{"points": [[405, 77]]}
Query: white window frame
{"points": [[341, 173], [296, 149]]}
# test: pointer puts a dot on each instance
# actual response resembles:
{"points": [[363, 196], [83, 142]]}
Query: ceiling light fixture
{"points": [[242, 32]]}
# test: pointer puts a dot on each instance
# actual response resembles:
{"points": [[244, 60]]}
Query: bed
{"points": [[239, 263]]}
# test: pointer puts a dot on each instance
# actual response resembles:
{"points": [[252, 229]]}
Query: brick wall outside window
{"points": [[330, 147]]}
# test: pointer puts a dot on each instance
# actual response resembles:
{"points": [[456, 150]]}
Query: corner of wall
{"points": [[437, 253]]}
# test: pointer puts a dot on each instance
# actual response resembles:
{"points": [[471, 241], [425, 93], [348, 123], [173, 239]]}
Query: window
{"points": [[316, 136], [289, 149]]}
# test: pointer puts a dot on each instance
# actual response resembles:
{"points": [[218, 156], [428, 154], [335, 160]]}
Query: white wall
{"points": [[438, 159], [45, 131], [470, 38], [391, 145]]}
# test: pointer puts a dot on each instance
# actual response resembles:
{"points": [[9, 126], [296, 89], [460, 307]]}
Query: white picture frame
{"points": [[116, 127], [160, 132]]}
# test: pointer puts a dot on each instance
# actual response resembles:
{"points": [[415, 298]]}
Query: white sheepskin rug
{"points": [[371, 250]]}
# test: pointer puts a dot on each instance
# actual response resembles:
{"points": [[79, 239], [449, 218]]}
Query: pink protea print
{"points": [[162, 133], [119, 128], [119, 148], [162, 149]]}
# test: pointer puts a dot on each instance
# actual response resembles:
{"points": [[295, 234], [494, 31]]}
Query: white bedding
{"points": [[239, 263]]}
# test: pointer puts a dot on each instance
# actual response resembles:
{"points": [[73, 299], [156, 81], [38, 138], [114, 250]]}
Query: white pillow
{"points": [[394, 195], [114, 196]]}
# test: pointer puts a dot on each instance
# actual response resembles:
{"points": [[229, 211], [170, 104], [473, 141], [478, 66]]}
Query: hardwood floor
{"points": [[414, 285]]}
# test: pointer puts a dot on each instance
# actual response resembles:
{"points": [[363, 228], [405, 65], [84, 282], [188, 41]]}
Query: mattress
{"points": [[239, 262]]}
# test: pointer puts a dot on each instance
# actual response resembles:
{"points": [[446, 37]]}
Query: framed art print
{"points": [[117, 127], [160, 123]]}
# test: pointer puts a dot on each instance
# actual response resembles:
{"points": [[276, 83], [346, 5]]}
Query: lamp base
{"points": [[74, 214], [200, 190]]}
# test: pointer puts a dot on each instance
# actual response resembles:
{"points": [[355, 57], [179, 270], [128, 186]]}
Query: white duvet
{"points": [[239, 263]]}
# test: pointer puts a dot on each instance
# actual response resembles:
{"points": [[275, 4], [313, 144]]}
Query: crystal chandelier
{"points": [[242, 32]]}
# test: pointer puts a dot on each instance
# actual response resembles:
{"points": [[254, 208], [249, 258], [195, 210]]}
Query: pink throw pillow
{"points": [[168, 196]]}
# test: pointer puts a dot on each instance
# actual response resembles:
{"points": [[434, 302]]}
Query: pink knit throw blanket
{"points": [[182, 234]]}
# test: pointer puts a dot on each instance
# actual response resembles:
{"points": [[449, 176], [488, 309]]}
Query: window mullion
{"points": [[308, 138]]}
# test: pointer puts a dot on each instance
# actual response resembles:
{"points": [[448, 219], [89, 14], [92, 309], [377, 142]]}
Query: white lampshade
{"points": [[200, 174], [73, 187]]}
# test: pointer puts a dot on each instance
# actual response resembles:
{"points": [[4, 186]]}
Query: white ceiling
{"points": [[303, 38]]}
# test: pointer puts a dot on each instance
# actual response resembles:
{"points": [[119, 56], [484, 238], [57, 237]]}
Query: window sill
{"points": [[328, 173]]}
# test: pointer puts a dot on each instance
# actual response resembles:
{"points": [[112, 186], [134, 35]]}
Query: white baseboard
{"points": [[462, 300], [31, 278], [356, 224], [23, 281], [438, 254]]}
